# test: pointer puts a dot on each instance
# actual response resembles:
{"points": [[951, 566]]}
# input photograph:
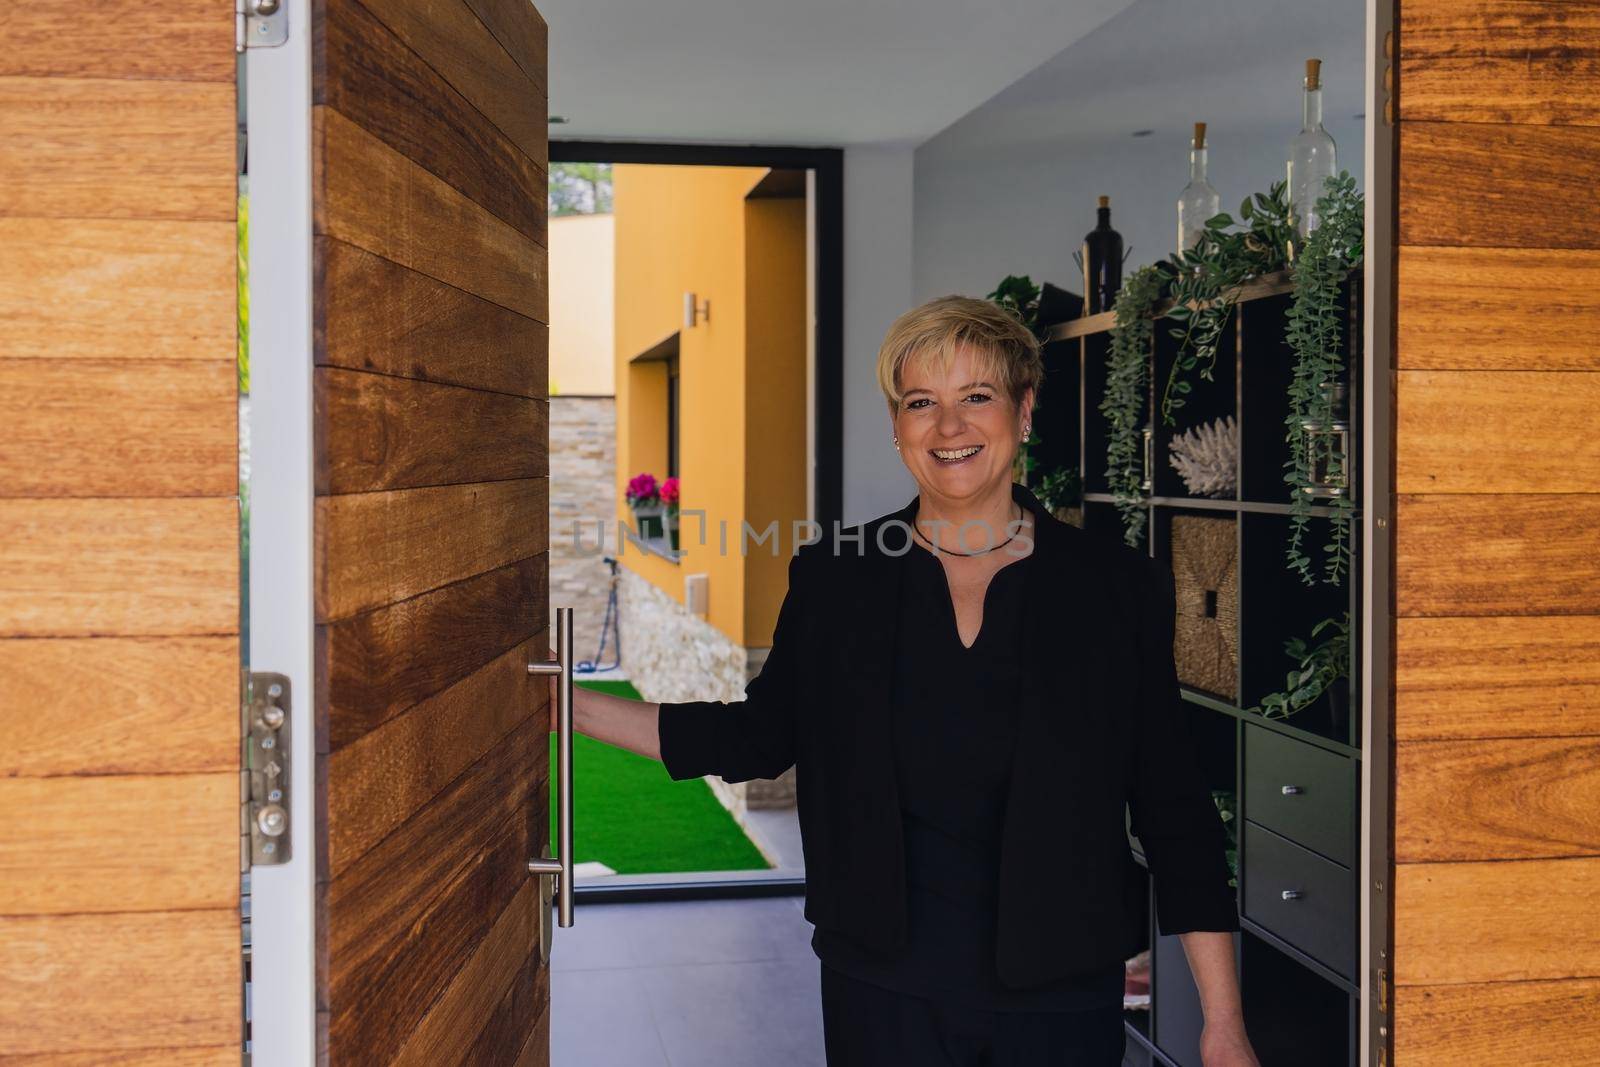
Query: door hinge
{"points": [[260, 23], [264, 766]]}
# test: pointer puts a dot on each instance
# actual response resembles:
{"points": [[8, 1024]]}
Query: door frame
{"points": [[277, 86]]}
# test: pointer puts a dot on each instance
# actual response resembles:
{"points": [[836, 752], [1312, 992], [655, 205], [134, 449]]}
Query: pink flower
{"points": [[669, 491], [642, 489]]}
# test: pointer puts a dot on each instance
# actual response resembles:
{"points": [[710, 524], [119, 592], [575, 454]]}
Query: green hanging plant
{"points": [[1316, 668], [1314, 334], [1018, 295], [1124, 401], [1208, 279]]}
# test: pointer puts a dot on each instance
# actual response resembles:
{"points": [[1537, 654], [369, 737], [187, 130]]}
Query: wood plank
{"points": [[215, 1056], [376, 432], [1501, 921], [373, 666], [1496, 186], [1497, 677], [51, 38], [1497, 554], [118, 428], [382, 778], [536, 1053], [77, 717], [1523, 798], [365, 73], [1468, 309], [373, 197], [71, 850], [1503, 61], [509, 1030], [88, 148], [132, 290], [170, 979], [1496, 432], [376, 315], [75, 568], [1496, 1022], [471, 998], [447, 35], [521, 31], [379, 548], [410, 914]]}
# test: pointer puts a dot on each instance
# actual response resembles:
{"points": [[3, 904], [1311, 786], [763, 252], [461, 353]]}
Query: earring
{"points": [[897, 442], [1025, 432]]}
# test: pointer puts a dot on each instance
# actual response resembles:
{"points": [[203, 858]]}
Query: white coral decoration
{"points": [[1207, 458]]}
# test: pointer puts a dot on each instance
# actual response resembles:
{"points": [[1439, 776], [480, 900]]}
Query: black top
{"points": [[954, 720], [1103, 733]]}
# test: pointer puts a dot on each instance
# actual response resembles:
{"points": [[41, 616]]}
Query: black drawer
{"points": [[1320, 918], [1318, 808]]}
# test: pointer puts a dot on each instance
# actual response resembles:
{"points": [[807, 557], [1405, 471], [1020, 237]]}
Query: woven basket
{"points": [[1205, 566], [1072, 516]]}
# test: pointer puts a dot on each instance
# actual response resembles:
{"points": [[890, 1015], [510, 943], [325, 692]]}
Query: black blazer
{"points": [[1101, 726]]}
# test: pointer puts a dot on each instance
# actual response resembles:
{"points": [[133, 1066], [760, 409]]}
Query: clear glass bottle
{"points": [[1198, 201], [1311, 155]]}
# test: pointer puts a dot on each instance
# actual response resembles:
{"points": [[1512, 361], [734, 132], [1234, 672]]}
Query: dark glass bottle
{"points": [[1102, 263]]}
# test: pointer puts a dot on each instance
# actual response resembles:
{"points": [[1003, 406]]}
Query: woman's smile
{"points": [[951, 456]]}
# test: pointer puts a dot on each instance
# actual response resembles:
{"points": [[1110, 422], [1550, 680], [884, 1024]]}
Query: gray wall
{"points": [[1011, 187]]}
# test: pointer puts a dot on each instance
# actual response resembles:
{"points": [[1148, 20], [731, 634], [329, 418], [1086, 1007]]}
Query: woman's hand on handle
{"points": [[617, 720]]}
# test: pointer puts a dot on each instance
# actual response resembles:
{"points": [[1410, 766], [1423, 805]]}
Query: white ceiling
{"points": [[812, 72]]}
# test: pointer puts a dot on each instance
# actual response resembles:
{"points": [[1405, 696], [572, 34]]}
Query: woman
{"points": [[973, 695]]}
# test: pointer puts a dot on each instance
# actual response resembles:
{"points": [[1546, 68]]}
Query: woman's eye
{"points": [[919, 402], [979, 396]]}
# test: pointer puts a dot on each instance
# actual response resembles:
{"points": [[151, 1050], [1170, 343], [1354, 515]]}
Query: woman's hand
{"points": [[554, 682], [1225, 1044]]}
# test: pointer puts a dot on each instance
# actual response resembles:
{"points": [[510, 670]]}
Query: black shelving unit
{"points": [[1295, 781]]}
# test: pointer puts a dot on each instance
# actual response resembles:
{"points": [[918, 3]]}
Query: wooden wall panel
{"points": [[363, 185], [1499, 1022], [1497, 596], [431, 527], [175, 976], [93, 148], [75, 568], [118, 428], [119, 537], [1501, 431], [1500, 61], [1497, 554], [380, 548], [116, 289], [1458, 300], [1459, 678], [376, 315], [379, 432], [1502, 798], [372, 666]]}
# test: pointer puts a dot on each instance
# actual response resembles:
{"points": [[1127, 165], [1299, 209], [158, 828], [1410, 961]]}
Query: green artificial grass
{"points": [[636, 820]]}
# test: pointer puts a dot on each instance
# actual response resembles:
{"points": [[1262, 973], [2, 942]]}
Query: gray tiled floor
{"points": [[725, 983]]}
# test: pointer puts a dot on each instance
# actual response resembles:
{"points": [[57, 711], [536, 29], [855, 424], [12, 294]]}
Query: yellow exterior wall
{"points": [[582, 326], [775, 398], [690, 229]]}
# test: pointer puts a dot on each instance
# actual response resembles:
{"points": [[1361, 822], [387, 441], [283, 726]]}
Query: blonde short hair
{"points": [[1005, 350]]}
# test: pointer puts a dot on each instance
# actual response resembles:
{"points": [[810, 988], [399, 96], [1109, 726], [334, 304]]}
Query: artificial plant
{"points": [[1314, 335], [1124, 401], [1316, 668]]}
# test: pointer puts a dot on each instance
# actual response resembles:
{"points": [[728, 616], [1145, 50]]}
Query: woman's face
{"points": [[959, 433]]}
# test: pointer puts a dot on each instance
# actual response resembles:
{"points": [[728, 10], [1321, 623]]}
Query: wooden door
{"points": [[1497, 596], [119, 526], [430, 562]]}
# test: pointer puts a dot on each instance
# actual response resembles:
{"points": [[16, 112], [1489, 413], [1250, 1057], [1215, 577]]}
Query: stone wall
{"points": [[672, 655], [583, 463]]}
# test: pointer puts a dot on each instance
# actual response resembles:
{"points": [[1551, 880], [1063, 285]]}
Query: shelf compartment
{"points": [[1292, 1015], [1057, 413], [1305, 793], [1205, 402], [1321, 920], [1202, 548]]}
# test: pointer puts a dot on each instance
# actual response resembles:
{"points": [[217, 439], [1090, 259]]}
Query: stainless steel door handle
{"points": [[561, 869]]}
